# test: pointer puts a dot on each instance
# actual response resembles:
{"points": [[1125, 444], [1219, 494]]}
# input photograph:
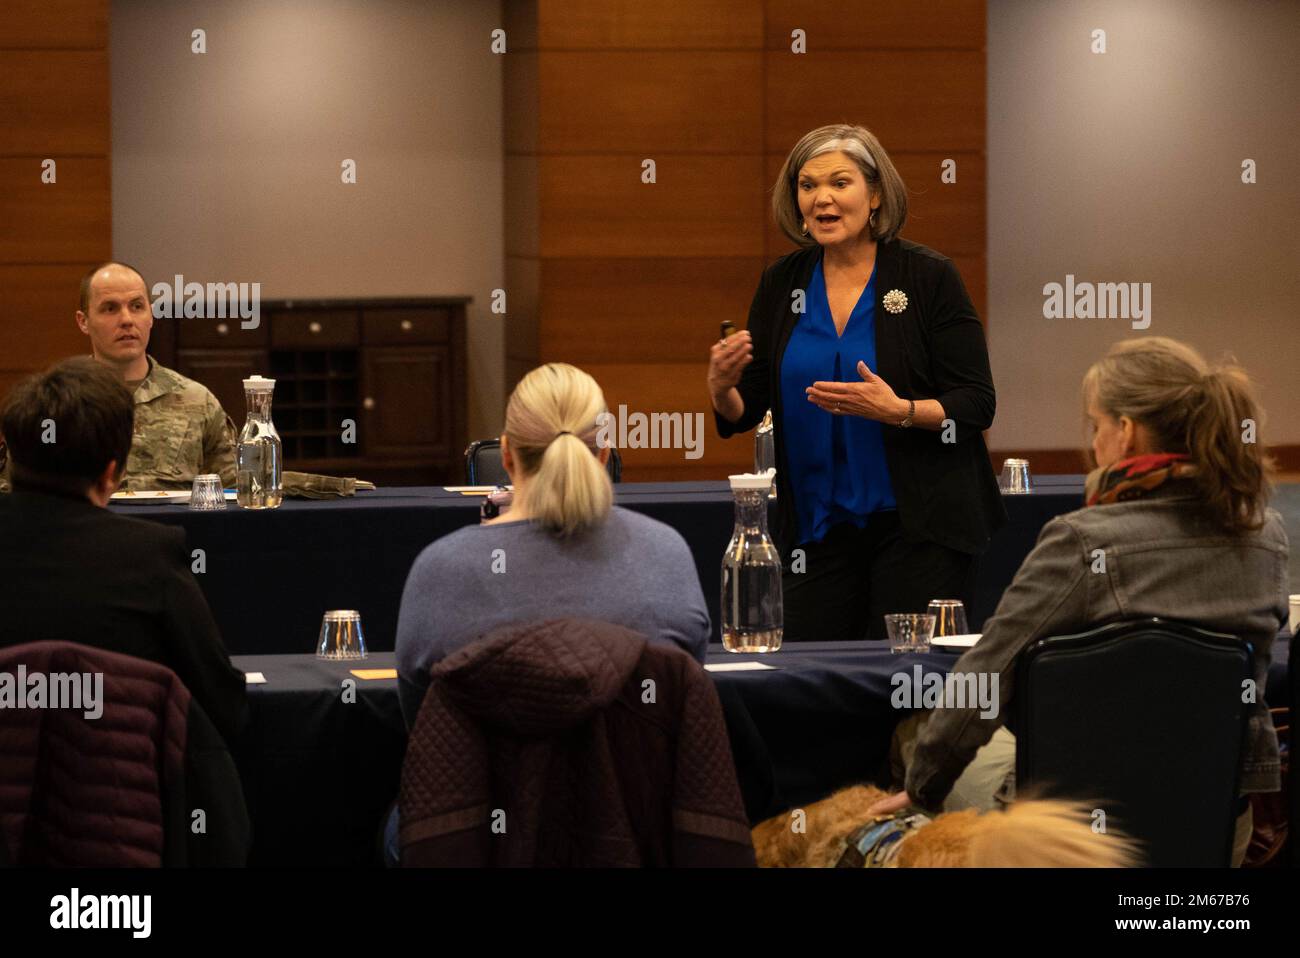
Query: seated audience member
{"points": [[181, 430], [1179, 502], [75, 572], [561, 550]]}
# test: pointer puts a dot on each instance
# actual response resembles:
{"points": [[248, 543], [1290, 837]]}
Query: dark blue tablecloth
{"points": [[320, 768], [269, 575]]}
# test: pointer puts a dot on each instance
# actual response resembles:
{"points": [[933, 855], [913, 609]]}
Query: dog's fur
{"points": [[1031, 833]]}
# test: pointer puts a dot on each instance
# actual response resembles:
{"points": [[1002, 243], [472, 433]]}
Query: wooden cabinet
{"points": [[223, 371], [403, 386], [368, 388]]}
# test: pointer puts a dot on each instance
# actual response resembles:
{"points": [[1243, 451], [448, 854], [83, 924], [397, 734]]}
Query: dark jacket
{"points": [[116, 782], [571, 743], [1163, 558], [72, 572], [933, 349]]}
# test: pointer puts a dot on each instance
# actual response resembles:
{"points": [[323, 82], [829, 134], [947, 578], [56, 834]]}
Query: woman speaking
{"points": [[870, 355]]}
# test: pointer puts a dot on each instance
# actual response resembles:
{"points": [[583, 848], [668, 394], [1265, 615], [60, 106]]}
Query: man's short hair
{"points": [[86, 279], [65, 425]]}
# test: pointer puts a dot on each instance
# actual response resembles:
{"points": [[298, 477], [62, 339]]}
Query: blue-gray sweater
{"points": [[632, 570]]}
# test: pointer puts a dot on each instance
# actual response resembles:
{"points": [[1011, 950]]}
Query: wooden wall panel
{"points": [[63, 222], [54, 102], [650, 103], [699, 206], [660, 310], [667, 388], [877, 24], [638, 25], [54, 97], [911, 100], [54, 25], [39, 316]]}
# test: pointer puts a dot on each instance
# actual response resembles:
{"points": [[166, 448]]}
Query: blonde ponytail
{"points": [[551, 427], [1208, 413]]}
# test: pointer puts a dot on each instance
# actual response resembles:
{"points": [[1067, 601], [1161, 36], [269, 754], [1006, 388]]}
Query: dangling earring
{"points": [[804, 228], [871, 220]]}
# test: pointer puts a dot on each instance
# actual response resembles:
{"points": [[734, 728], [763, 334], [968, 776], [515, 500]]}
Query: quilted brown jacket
{"points": [[119, 789], [571, 743]]}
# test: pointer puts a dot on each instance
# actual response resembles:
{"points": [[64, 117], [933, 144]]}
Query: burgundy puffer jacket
{"points": [[571, 743], [108, 791]]}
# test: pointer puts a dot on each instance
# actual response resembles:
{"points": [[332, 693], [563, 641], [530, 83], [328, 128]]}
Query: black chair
{"points": [[1145, 718], [483, 464]]}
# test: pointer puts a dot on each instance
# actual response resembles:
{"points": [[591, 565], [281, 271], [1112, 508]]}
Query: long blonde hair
{"points": [[1207, 412], [551, 428]]}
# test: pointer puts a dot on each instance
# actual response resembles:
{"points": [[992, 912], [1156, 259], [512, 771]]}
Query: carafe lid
{"points": [[761, 481], [259, 385]]}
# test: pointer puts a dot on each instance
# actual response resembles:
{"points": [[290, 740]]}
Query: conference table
{"points": [[269, 575], [321, 761]]}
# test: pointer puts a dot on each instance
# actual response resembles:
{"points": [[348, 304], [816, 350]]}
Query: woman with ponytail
{"points": [[1177, 506], [562, 550]]}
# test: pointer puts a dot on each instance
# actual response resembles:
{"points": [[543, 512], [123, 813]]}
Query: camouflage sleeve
{"points": [[219, 438]]}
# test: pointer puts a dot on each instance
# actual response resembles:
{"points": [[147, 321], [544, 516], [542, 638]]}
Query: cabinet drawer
{"points": [[223, 371], [196, 333], [396, 327], [318, 327]]}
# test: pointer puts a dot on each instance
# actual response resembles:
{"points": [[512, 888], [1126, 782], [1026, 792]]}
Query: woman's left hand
{"points": [[871, 399], [894, 803]]}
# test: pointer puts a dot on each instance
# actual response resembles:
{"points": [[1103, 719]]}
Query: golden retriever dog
{"points": [[1031, 833]]}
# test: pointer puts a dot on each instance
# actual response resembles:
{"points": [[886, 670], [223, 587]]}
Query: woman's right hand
{"points": [[727, 360]]}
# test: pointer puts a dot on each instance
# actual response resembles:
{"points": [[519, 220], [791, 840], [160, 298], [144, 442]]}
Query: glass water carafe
{"points": [[259, 456], [752, 616], [765, 450]]}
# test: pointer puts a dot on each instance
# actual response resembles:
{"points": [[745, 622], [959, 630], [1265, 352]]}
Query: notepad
{"points": [[738, 667], [254, 678], [956, 641], [369, 674], [473, 490]]}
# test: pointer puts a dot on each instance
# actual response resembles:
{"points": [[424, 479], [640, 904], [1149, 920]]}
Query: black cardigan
{"points": [[933, 349]]}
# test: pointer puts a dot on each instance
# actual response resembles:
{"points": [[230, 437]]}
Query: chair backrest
{"points": [[1293, 770], [141, 755], [1145, 718], [548, 722], [483, 464]]}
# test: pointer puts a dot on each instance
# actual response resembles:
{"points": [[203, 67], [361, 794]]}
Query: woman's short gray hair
{"points": [[882, 179]]}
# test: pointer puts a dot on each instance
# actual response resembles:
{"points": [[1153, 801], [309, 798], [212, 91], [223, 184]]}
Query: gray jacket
{"points": [[1162, 558]]}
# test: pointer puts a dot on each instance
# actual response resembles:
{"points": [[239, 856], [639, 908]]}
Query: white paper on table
{"points": [[737, 666], [957, 641], [254, 678], [473, 490]]}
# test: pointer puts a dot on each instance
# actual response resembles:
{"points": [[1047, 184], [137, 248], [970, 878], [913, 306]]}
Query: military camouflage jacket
{"points": [[181, 431]]}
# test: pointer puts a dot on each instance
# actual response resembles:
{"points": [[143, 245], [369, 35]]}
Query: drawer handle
{"points": [[222, 329], [407, 325], [313, 327], [368, 402]]}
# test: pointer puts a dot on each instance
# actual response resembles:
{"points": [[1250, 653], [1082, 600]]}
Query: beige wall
{"points": [[226, 165], [1127, 167]]}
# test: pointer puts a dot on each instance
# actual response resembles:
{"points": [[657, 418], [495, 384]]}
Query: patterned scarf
{"points": [[1133, 478]]}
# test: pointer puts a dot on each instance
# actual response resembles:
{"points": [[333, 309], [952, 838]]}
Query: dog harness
{"points": [[876, 844]]}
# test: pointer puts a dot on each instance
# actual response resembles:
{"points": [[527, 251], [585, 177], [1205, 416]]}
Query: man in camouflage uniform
{"points": [[181, 430]]}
